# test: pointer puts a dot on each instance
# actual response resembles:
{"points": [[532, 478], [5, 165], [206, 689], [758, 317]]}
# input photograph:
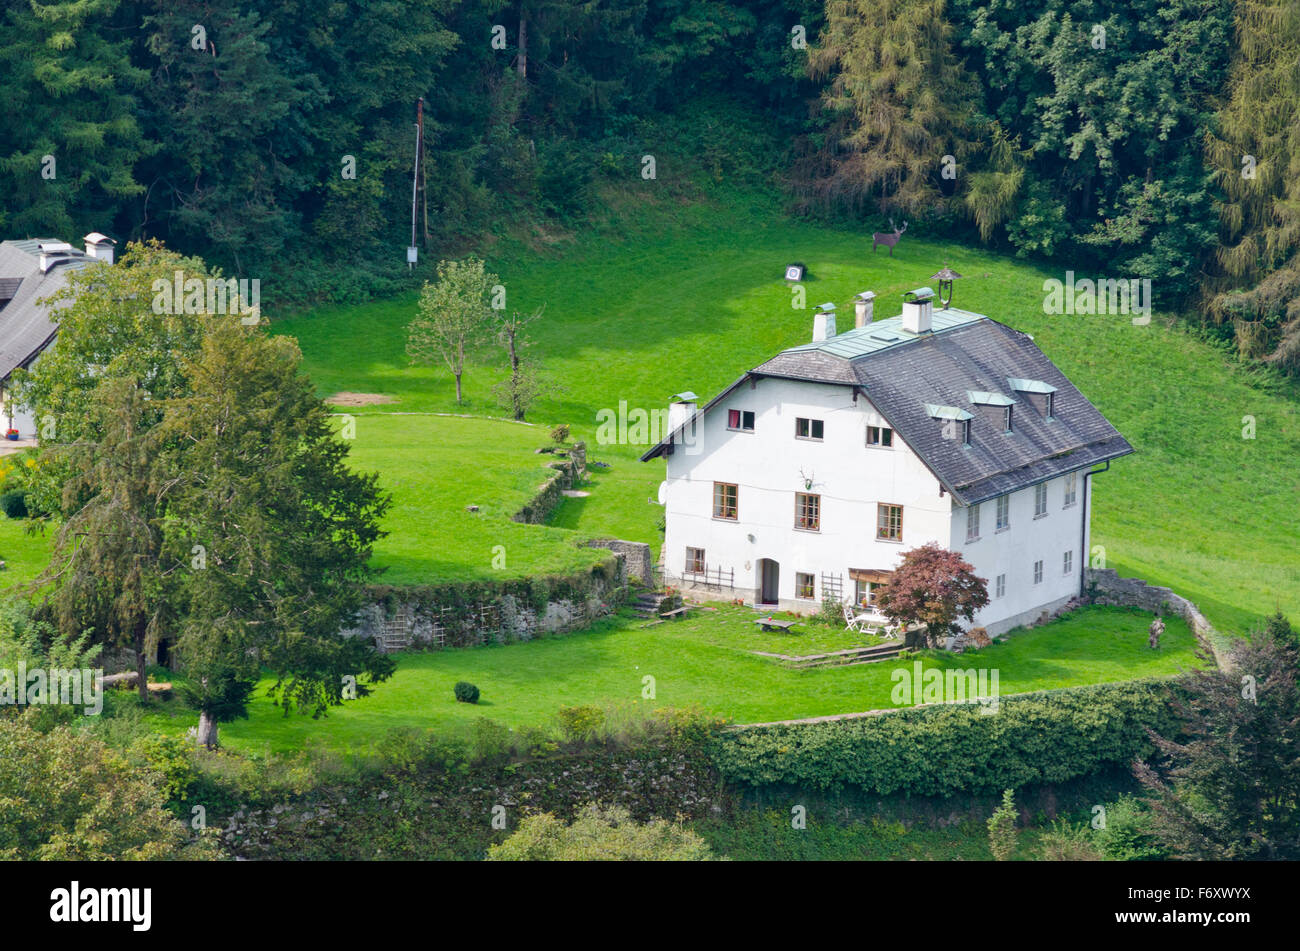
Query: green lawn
{"points": [[706, 660], [24, 554], [437, 466], [691, 295]]}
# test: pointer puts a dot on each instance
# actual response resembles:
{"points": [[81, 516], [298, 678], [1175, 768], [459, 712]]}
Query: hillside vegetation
{"points": [[689, 296]]}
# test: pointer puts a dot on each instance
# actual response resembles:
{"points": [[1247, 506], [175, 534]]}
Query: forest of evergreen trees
{"points": [[1139, 138]]}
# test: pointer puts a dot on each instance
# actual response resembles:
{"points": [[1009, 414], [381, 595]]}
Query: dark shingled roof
{"points": [[968, 352], [26, 326]]}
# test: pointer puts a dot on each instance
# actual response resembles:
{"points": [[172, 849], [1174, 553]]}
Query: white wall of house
{"points": [[1013, 551], [13, 417], [769, 467]]}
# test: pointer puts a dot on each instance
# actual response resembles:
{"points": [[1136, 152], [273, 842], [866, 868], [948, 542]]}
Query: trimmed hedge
{"points": [[1050, 736]]}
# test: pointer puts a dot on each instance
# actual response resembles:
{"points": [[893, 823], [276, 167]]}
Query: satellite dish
{"points": [[663, 493]]}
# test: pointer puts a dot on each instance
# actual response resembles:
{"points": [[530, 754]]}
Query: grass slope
{"points": [[437, 466], [689, 296]]}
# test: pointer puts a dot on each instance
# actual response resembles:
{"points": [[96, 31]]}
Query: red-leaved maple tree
{"points": [[934, 587]]}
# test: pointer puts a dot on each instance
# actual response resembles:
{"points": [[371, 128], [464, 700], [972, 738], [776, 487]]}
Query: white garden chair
{"points": [[861, 623]]}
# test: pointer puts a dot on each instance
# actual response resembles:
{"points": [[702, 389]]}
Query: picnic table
{"points": [[772, 624]]}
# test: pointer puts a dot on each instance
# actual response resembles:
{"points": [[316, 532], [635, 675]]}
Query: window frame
{"points": [[1067, 566], [1038, 571], [799, 586], [884, 437], [866, 594], [881, 513], [1006, 419], [1071, 493], [692, 563], [740, 427], [973, 523], [820, 423], [1040, 500], [801, 507], [735, 502], [1000, 586], [1002, 520]]}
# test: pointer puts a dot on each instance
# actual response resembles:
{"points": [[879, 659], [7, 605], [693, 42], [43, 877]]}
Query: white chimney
{"points": [[52, 252], [862, 308], [824, 323], [99, 246], [918, 310], [681, 408]]}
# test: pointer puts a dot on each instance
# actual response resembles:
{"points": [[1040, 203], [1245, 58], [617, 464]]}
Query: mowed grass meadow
{"points": [[706, 661], [689, 296]]}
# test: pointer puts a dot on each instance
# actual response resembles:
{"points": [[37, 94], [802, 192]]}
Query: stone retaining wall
{"points": [[1110, 588]]}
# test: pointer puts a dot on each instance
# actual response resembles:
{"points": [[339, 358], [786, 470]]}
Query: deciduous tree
{"points": [[454, 316], [934, 587]]}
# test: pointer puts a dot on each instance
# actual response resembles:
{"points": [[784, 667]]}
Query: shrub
{"points": [[466, 692], [600, 834], [1127, 835], [1051, 736], [1002, 827], [978, 637], [580, 723], [831, 613], [1065, 842], [14, 503], [560, 434], [171, 760]]}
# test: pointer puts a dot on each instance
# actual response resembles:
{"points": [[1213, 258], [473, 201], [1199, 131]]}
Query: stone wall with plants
{"points": [[566, 471], [469, 613]]}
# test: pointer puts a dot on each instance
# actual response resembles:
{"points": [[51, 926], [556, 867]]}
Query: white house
{"points": [[31, 270], [811, 474]]}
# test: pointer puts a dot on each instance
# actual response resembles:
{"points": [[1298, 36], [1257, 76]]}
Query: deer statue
{"points": [[1155, 630], [888, 240]]}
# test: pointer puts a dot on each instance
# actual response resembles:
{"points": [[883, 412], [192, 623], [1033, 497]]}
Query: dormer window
{"points": [[954, 422], [1042, 396], [993, 406]]}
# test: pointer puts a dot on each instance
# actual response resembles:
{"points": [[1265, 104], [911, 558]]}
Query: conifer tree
{"points": [[897, 103], [1255, 152]]}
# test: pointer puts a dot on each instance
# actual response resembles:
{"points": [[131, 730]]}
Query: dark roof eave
{"points": [[986, 496]]}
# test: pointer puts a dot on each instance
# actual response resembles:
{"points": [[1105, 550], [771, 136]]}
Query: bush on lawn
{"points": [[14, 503], [1050, 736], [466, 692]]}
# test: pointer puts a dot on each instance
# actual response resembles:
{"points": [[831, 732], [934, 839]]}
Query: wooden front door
{"points": [[769, 581]]}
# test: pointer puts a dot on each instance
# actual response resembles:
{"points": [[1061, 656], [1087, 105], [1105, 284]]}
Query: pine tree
{"points": [[269, 529], [1255, 152], [898, 102], [69, 93]]}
